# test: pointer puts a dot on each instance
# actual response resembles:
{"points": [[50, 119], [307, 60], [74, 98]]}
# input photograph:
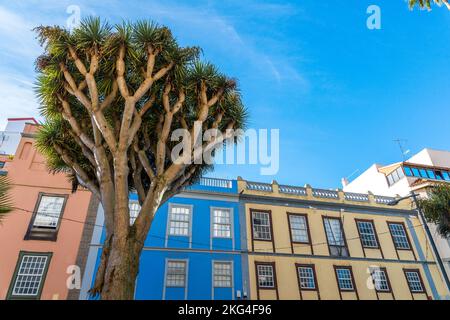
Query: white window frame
{"points": [[132, 205], [337, 246], [189, 221], [231, 275], [166, 280], [312, 277], [415, 281], [331, 238], [305, 221], [213, 223], [350, 277], [23, 277], [404, 236], [52, 219], [269, 225], [374, 234], [269, 266]]}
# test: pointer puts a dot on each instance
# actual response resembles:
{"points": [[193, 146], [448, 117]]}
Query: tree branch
{"points": [[82, 176], [110, 98], [67, 115]]}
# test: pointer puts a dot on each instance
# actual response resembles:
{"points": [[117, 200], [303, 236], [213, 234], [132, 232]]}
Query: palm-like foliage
{"points": [[437, 208], [112, 96], [426, 4], [5, 200]]}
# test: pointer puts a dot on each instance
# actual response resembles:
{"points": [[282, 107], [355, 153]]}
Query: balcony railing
{"points": [[359, 197], [299, 191], [317, 193], [383, 199], [323, 193], [259, 186], [216, 183]]}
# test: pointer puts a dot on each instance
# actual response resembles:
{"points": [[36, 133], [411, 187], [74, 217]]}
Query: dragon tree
{"points": [[111, 97]]}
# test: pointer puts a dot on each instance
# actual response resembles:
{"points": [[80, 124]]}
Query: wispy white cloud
{"points": [[18, 99], [205, 25], [17, 36], [192, 24]]}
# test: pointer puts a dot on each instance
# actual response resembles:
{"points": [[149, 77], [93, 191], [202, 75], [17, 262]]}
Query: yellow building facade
{"points": [[306, 243]]}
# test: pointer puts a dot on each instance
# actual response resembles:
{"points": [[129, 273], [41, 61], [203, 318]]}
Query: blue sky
{"points": [[339, 92]]}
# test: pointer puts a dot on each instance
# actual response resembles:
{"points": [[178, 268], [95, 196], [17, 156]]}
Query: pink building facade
{"points": [[40, 240]]}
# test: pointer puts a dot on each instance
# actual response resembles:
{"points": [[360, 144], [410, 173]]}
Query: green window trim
{"points": [[10, 296]]}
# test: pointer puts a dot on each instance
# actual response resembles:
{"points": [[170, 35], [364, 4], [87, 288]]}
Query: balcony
{"points": [[214, 185]]}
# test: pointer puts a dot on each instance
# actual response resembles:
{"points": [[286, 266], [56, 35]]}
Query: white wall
{"points": [[374, 181], [370, 180], [10, 138], [431, 157]]}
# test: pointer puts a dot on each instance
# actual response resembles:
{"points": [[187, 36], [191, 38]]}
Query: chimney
{"points": [[344, 182]]}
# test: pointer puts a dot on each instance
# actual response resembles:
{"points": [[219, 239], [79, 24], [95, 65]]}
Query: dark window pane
{"points": [[338, 251], [439, 175]]}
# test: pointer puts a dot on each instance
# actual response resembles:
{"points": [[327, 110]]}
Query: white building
{"points": [[416, 174], [10, 138]]}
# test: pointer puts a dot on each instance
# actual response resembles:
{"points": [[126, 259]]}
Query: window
{"points": [[266, 276], [423, 173], [2, 164], [306, 277], [223, 274], [408, 171], [427, 173], [416, 172], [176, 274], [46, 218], [390, 180], [367, 233], [431, 174], [48, 212], [399, 236], [345, 278], [299, 228], [335, 237], [135, 208], [222, 223], [29, 276], [380, 279], [439, 175], [446, 175], [395, 176], [261, 226], [414, 280], [179, 220]]}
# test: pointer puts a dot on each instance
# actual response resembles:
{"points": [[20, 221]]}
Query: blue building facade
{"points": [[193, 250]]}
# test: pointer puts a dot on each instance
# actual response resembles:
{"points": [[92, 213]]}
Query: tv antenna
{"points": [[404, 152]]}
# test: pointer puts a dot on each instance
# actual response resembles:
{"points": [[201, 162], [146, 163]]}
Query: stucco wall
{"points": [[29, 177]]}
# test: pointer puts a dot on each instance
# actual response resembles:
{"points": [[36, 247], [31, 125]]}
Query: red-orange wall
{"points": [[29, 177]]}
